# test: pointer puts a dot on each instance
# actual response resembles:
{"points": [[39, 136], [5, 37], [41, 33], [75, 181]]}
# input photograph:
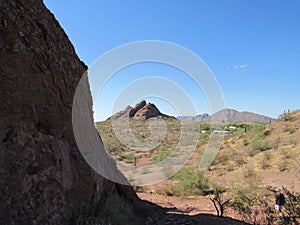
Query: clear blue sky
{"points": [[252, 47]]}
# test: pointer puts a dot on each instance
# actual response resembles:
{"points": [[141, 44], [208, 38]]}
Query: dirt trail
{"points": [[186, 205], [185, 211]]}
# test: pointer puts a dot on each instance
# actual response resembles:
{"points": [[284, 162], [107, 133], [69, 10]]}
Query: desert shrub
{"points": [[257, 138], [223, 159], [256, 213], [230, 167], [163, 154], [119, 149], [245, 142], [243, 125], [220, 200], [205, 127], [191, 181], [138, 188], [276, 143], [249, 172], [282, 166], [290, 130], [256, 206], [240, 161], [160, 157], [260, 144], [257, 130], [203, 139], [285, 154], [286, 116], [265, 163], [267, 156], [167, 190], [292, 204], [242, 195], [253, 204], [252, 152], [130, 156]]}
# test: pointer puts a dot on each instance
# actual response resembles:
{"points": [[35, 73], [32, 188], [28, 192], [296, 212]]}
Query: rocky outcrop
{"points": [[141, 111], [137, 108], [43, 177], [146, 112], [122, 114]]}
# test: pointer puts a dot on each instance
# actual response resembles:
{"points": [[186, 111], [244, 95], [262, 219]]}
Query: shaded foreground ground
{"points": [[183, 211]]}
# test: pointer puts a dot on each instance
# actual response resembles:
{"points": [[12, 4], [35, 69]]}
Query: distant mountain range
{"points": [[143, 111], [231, 115]]}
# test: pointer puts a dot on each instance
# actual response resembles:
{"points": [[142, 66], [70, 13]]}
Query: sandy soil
{"points": [[186, 205], [188, 211]]}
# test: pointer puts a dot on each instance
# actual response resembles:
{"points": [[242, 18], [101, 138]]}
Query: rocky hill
{"points": [[231, 115], [141, 111], [44, 178]]}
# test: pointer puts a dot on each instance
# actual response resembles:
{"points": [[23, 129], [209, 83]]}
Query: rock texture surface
{"points": [[43, 177], [137, 108], [122, 114], [148, 111]]}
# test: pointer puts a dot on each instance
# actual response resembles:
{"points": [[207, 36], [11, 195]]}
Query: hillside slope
{"points": [[272, 151]]}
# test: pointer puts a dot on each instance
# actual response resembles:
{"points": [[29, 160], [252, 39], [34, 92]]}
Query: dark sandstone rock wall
{"points": [[43, 177], [137, 108]]}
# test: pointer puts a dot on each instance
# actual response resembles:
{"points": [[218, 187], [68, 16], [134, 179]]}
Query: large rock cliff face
{"points": [[43, 177]]}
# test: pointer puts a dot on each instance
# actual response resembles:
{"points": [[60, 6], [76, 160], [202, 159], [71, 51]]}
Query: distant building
{"points": [[222, 132]]}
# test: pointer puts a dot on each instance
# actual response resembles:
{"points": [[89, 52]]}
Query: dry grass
{"points": [[265, 148]]}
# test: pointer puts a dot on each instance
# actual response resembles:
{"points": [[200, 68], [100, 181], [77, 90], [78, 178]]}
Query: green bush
{"points": [[191, 181], [160, 157], [260, 144], [256, 138]]}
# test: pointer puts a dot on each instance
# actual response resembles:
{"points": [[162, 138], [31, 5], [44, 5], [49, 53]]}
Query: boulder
{"points": [[44, 179]]}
